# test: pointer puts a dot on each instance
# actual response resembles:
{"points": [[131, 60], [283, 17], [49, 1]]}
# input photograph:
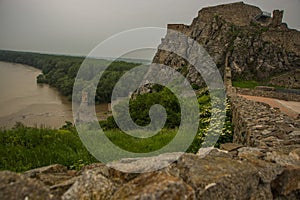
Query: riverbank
{"points": [[23, 100]]}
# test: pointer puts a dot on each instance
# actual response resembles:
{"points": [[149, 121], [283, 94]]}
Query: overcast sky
{"points": [[77, 26]]}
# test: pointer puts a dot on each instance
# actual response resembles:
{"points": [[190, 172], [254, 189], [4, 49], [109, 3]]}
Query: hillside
{"points": [[258, 47]]}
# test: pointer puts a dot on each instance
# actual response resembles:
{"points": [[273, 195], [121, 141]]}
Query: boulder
{"points": [[15, 186], [90, 185], [287, 184], [147, 164], [50, 175], [220, 177], [230, 146], [155, 185]]}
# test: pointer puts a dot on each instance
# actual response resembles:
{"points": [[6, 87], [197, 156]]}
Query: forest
{"points": [[60, 71]]}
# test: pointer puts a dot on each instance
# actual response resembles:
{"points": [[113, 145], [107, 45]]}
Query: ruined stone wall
{"points": [[237, 13], [179, 27], [277, 18], [269, 94], [269, 136], [258, 125]]}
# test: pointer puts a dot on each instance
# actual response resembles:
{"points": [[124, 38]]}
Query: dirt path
{"points": [[291, 108]]}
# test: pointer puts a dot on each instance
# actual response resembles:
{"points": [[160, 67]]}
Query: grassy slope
{"points": [[23, 148]]}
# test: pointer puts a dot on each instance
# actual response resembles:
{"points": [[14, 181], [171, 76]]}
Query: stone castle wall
{"points": [[237, 13], [182, 28]]}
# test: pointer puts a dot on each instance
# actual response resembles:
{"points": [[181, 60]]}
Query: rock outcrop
{"points": [[289, 80], [255, 50], [17, 186]]}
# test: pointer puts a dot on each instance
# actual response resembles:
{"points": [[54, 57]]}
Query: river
{"points": [[36, 105]]}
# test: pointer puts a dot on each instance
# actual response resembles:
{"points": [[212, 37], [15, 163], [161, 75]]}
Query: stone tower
{"points": [[277, 18]]}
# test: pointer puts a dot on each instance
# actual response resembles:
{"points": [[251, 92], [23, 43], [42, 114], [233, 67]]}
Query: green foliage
{"points": [[257, 28], [205, 114], [252, 84], [109, 124], [109, 78], [217, 17], [234, 32], [195, 86], [60, 71], [263, 29], [141, 145], [23, 148], [184, 70], [245, 84], [253, 23], [227, 131], [41, 79], [139, 109]]}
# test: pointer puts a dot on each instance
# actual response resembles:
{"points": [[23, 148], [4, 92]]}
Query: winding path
{"points": [[291, 108]]}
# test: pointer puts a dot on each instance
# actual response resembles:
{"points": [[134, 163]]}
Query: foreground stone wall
{"points": [[235, 172]]}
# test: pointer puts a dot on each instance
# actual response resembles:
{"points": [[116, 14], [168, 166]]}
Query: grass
{"points": [[252, 84], [245, 84], [23, 148], [141, 145]]}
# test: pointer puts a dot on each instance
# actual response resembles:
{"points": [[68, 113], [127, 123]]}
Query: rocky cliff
{"points": [[257, 45]]}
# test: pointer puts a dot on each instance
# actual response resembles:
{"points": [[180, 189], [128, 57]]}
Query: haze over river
{"points": [[23, 100]]}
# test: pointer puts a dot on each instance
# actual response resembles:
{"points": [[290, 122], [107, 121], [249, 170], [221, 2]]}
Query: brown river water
{"points": [[36, 105]]}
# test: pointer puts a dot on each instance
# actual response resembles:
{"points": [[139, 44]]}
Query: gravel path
{"points": [[291, 108]]}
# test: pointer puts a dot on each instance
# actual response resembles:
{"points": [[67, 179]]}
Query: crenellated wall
{"points": [[185, 29]]}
